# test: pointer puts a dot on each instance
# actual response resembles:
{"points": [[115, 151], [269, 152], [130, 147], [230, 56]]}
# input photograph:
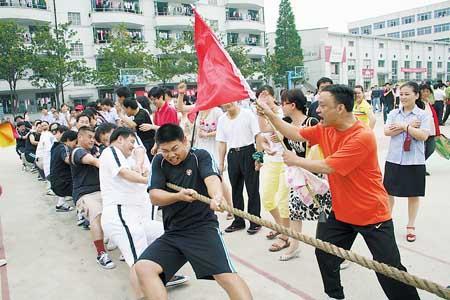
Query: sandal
{"points": [[272, 235], [411, 237], [275, 247], [286, 257]]}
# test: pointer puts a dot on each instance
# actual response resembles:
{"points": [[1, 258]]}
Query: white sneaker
{"points": [[2, 262], [177, 280], [110, 246], [105, 262], [50, 193], [345, 264]]}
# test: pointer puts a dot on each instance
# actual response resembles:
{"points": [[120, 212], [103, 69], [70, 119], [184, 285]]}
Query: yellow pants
{"points": [[273, 188]]}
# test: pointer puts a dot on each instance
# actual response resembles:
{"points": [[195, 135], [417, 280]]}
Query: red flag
{"points": [[219, 81]]}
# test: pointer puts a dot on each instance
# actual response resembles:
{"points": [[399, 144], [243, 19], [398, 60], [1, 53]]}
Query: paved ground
{"points": [[49, 257]]}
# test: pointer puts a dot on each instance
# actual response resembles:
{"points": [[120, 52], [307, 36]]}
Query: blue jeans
{"points": [[376, 104]]}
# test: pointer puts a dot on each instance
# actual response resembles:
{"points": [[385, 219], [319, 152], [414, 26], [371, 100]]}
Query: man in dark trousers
{"points": [[360, 202], [236, 132], [388, 100]]}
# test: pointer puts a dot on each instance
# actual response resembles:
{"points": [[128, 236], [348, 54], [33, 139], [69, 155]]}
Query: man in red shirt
{"points": [[164, 113], [359, 200]]}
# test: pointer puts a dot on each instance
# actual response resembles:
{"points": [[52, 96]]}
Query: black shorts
{"points": [[202, 247], [62, 188]]}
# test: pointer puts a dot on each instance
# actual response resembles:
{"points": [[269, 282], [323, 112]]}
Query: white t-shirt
{"points": [[115, 189], [208, 124], [439, 95], [43, 150], [238, 132]]}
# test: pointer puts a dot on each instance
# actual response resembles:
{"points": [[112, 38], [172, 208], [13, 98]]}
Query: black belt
{"points": [[238, 149]]}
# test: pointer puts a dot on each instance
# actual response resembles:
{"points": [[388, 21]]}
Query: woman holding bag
{"points": [[404, 175], [294, 108]]}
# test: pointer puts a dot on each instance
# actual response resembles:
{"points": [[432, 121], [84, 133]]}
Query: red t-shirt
{"points": [[166, 114], [358, 194]]}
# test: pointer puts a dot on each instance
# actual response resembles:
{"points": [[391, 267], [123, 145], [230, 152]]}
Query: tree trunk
{"points": [[57, 95], [62, 96], [11, 98]]}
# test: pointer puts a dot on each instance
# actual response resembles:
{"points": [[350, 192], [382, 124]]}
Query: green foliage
{"points": [[288, 51], [121, 52], [243, 62], [175, 58], [14, 57], [52, 63]]}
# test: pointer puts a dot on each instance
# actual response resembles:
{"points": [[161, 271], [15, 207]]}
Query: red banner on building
{"points": [[413, 70], [327, 53], [368, 73]]}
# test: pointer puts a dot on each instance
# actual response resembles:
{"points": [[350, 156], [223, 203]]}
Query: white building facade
{"points": [[238, 22], [426, 23], [368, 60]]}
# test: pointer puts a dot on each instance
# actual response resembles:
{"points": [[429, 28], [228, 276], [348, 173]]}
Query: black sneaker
{"points": [[253, 229], [85, 225], [233, 228], [104, 261], [64, 208], [177, 280]]}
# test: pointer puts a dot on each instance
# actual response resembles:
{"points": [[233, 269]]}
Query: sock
{"points": [[99, 246], [60, 202]]}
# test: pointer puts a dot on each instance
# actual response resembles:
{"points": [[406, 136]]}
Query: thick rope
{"points": [[378, 267]]}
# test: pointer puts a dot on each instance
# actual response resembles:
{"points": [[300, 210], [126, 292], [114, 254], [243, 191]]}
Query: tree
{"points": [[14, 58], [52, 63], [288, 51], [176, 58], [121, 52], [242, 61]]}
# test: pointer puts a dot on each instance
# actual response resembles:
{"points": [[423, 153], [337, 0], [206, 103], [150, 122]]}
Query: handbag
{"points": [[443, 146]]}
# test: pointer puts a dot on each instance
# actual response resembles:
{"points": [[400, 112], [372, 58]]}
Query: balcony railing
{"points": [[103, 36], [39, 4], [117, 6], [176, 11], [254, 43], [247, 18]]}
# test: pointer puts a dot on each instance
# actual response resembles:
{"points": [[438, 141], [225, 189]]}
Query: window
{"points": [[424, 30], [440, 13], [74, 18], [351, 83], [448, 71], [439, 64], [394, 70], [407, 65], [406, 47], [379, 25], [367, 64], [419, 74], [442, 27], [366, 30], [393, 22], [408, 33], [394, 35], [429, 70], [381, 46], [351, 43], [351, 67], [424, 16], [212, 2], [76, 49], [335, 68], [408, 19], [214, 24], [430, 49], [380, 63], [354, 31]]}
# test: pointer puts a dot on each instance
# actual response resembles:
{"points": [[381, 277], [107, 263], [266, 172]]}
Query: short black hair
{"points": [[387, 83], [295, 96], [130, 103], [45, 122], [168, 92], [123, 91], [144, 102], [90, 112], [17, 117], [64, 104], [157, 92], [266, 88], [107, 102], [120, 131], [91, 105], [169, 133], [54, 126], [59, 128], [69, 135], [84, 129], [426, 87], [324, 80], [342, 94], [358, 86], [82, 115], [102, 129]]}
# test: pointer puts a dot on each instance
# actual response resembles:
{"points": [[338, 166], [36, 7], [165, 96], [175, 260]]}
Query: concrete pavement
{"points": [[49, 257]]}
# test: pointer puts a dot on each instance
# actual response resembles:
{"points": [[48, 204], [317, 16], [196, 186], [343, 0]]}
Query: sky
{"points": [[335, 14]]}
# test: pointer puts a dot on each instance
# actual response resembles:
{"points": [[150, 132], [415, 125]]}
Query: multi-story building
{"points": [[239, 22], [369, 60], [426, 23]]}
